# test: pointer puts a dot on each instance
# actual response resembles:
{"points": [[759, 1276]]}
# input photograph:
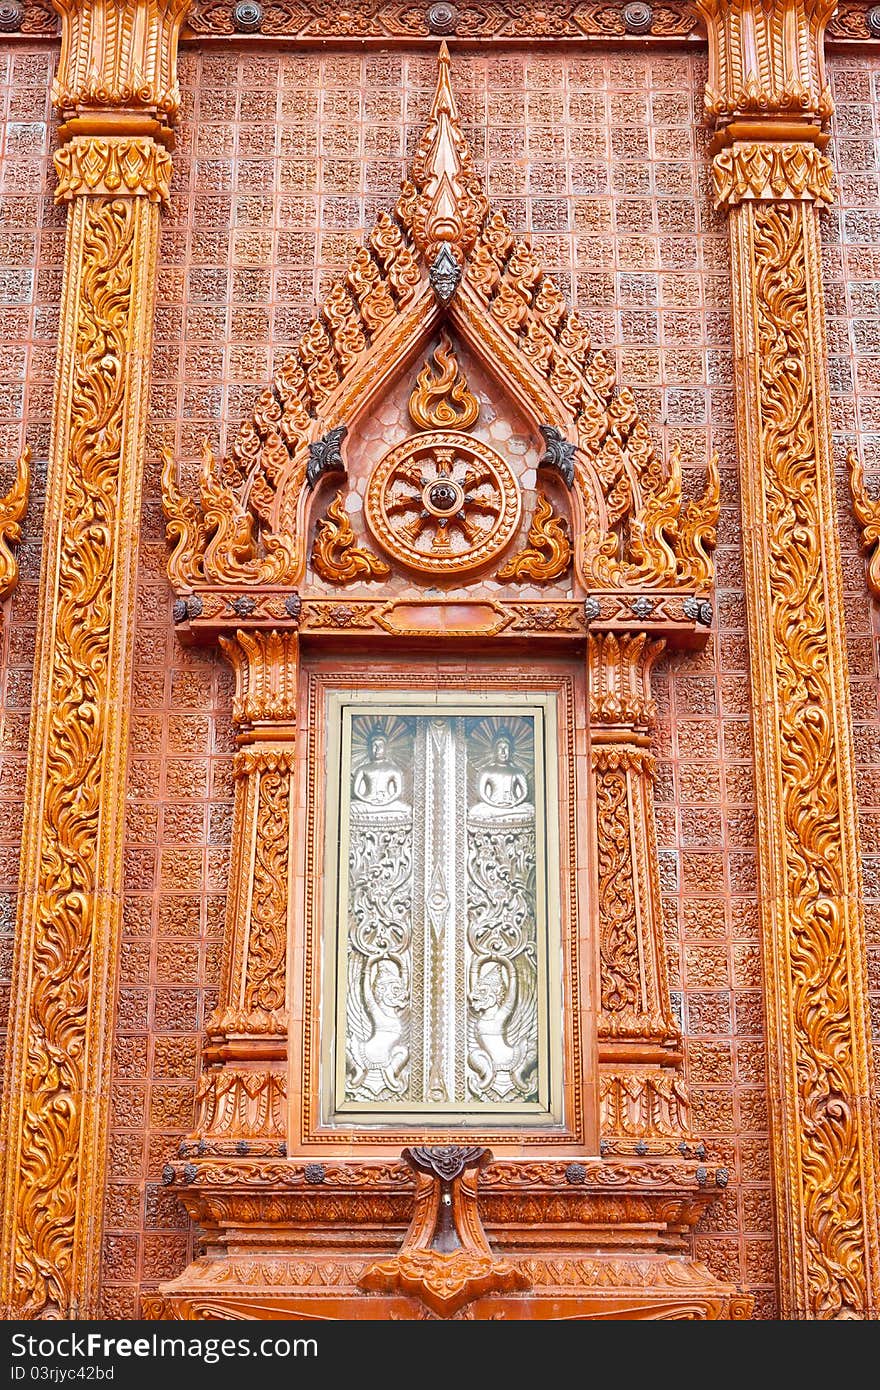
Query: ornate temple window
{"points": [[443, 911], [442, 559]]}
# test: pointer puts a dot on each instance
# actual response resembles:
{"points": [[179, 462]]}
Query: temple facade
{"points": [[440, 703]]}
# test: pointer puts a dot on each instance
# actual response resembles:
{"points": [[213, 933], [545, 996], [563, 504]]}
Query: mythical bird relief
{"points": [[443, 925], [444, 259], [502, 1058], [380, 954]]}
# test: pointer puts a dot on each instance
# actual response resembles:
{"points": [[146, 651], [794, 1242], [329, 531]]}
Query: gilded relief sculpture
{"points": [[444, 926]]}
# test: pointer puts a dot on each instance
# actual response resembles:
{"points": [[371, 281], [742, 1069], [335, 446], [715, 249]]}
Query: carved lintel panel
{"points": [[520, 1235], [808, 852]]}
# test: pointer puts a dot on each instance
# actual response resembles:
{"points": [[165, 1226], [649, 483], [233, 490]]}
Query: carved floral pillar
{"points": [[243, 1091], [769, 100], [116, 90], [643, 1103]]}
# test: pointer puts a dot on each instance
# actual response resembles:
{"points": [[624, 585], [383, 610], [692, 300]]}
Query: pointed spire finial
{"points": [[443, 204]]}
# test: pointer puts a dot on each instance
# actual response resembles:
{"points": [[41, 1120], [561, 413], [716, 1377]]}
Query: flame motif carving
{"points": [[548, 554], [335, 555], [61, 949], [442, 399], [12, 509], [867, 514]]}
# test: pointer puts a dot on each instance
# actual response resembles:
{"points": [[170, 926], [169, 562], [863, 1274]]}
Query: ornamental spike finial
{"points": [[443, 202]]}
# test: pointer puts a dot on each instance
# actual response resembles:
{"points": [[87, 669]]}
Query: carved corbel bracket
{"points": [[12, 510], [445, 1259]]}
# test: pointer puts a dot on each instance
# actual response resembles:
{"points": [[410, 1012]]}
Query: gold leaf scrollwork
{"points": [[12, 509], [336, 557], [441, 398], [867, 514], [548, 553], [698, 531]]}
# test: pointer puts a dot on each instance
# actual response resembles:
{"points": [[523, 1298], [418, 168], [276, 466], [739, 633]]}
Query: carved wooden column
{"points": [[116, 89], [768, 97], [643, 1103], [243, 1090]]}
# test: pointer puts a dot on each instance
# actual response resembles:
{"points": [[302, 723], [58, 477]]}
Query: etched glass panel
{"points": [[440, 934]]}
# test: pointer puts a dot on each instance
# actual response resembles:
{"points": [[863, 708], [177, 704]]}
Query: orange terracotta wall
{"points": [[282, 162]]}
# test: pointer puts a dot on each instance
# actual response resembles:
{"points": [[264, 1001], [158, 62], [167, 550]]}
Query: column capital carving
{"points": [[119, 56], [767, 63], [620, 682], [266, 666]]}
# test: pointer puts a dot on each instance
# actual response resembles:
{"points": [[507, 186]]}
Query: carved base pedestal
{"points": [[540, 1240]]}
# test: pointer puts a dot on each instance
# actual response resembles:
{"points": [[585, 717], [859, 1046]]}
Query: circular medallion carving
{"points": [[872, 19], [248, 16], [442, 18], [443, 503], [638, 17], [11, 15]]}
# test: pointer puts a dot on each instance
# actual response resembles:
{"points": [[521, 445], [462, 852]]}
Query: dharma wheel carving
{"points": [[443, 502]]}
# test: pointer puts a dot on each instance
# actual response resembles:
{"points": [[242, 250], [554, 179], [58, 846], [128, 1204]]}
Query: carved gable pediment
{"points": [[444, 267]]}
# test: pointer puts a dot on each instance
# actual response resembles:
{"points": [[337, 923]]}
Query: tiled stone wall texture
{"points": [[283, 160], [31, 258], [852, 296]]}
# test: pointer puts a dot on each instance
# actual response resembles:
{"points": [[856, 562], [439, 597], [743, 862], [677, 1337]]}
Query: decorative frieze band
{"points": [[763, 169], [111, 165]]}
